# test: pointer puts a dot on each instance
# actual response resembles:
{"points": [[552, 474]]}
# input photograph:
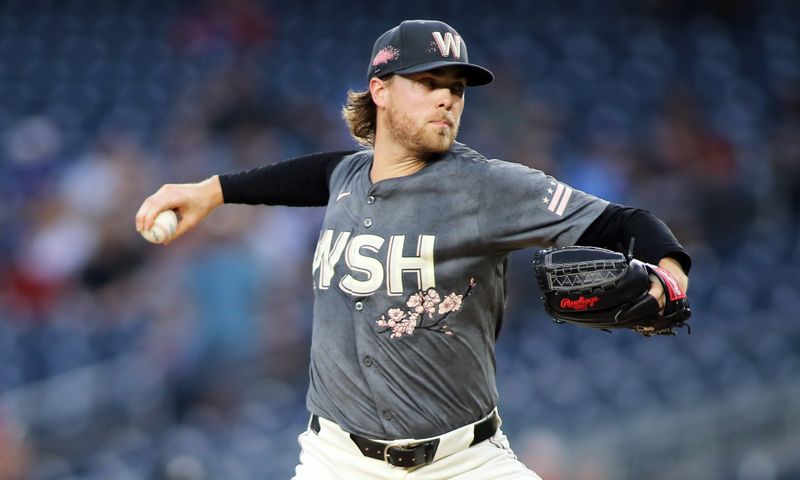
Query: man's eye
{"points": [[427, 82], [458, 90]]}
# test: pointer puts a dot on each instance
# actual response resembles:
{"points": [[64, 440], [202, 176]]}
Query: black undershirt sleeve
{"points": [[618, 224], [296, 182]]}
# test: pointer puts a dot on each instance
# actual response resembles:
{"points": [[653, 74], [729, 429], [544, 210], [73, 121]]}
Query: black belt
{"points": [[415, 454]]}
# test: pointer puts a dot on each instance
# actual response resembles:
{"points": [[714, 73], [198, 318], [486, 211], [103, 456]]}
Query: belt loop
{"points": [[313, 424], [485, 429], [430, 452]]}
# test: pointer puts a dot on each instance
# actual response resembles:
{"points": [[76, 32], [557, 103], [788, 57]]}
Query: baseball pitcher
{"points": [[409, 272]]}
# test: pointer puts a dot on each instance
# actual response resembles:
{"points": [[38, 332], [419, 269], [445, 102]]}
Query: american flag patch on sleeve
{"points": [[557, 198]]}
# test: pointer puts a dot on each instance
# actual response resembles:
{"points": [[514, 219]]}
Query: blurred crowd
{"points": [[688, 109]]}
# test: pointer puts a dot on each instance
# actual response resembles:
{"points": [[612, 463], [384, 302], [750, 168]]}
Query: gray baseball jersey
{"points": [[409, 283]]}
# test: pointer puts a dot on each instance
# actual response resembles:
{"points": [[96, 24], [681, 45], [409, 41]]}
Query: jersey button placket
{"points": [[370, 200], [368, 361], [358, 306], [367, 222], [388, 415]]}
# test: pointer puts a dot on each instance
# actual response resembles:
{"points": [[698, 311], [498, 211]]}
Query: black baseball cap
{"points": [[421, 45]]}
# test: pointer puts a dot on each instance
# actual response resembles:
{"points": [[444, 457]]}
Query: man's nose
{"points": [[445, 98]]}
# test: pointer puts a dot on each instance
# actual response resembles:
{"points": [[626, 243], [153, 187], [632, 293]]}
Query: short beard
{"points": [[418, 139]]}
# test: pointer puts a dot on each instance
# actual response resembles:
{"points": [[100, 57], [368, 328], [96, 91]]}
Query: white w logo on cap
{"points": [[447, 42]]}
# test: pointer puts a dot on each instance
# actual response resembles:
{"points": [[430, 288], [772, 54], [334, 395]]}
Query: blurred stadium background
{"points": [[123, 360]]}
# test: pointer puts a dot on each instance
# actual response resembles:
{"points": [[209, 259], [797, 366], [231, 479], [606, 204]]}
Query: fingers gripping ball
{"points": [[164, 228], [599, 288]]}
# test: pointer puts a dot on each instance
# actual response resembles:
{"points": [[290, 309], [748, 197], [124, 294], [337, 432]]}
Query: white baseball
{"points": [[163, 228]]}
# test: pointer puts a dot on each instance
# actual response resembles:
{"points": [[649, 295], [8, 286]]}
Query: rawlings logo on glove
{"points": [[599, 288], [579, 304]]}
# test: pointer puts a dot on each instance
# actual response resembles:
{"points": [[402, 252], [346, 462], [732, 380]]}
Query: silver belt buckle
{"points": [[386, 453], [388, 446]]}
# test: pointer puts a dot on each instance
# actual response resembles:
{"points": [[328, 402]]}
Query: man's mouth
{"points": [[442, 123]]}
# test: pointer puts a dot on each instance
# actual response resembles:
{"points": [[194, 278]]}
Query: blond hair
{"points": [[361, 115]]}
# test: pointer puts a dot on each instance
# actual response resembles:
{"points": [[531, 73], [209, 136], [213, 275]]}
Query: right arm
{"points": [[297, 182], [300, 181]]}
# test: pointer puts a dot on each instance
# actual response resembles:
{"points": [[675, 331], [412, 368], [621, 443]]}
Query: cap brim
{"points": [[475, 75]]}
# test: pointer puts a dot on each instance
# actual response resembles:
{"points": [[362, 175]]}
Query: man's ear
{"points": [[379, 89]]}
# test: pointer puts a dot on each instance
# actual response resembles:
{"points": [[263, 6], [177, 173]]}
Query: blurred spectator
{"points": [[33, 140], [785, 151], [221, 26], [33, 148], [692, 176], [15, 454]]}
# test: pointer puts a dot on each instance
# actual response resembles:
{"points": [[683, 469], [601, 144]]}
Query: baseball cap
{"points": [[421, 45]]}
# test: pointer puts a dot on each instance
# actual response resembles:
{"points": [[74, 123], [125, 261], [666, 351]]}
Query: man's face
{"points": [[423, 111]]}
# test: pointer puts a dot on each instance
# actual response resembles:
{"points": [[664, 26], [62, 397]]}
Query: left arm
{"points": [[655, 243]]}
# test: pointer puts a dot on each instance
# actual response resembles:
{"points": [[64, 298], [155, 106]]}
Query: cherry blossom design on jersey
{"points": [[426, 311]]}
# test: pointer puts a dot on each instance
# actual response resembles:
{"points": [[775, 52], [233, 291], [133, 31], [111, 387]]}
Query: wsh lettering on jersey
{"points": [[373, 262]]}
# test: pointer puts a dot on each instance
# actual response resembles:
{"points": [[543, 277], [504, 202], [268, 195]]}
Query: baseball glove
{"points": [[599, 288]]}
